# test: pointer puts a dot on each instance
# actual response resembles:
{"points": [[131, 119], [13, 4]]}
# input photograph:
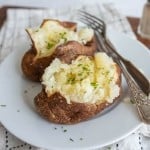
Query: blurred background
{"points": [[127, 7]]}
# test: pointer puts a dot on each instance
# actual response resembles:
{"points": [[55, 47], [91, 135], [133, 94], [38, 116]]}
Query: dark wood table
{"points": [[134, 22]]}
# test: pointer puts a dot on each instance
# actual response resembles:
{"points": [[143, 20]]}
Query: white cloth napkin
{"points": [[19, 19]]}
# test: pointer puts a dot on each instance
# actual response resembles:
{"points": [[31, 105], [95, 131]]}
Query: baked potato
{"points": [[77, 91], [55, 39]]}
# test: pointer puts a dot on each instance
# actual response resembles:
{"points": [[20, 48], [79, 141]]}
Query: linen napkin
{"points": [[19, 19]]}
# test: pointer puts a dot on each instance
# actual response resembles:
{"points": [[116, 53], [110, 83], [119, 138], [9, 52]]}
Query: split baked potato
{"points": [[55, 39], [78, 91]]}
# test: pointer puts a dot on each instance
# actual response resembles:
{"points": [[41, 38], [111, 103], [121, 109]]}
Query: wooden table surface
{"points": [[134, 22]]}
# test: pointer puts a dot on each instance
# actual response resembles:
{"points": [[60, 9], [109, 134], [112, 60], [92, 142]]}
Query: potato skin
{"points": [[55, 108], [72, 49], [34, 68]]}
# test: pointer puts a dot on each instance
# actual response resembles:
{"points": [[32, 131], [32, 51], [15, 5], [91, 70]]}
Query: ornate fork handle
{"points": [[137, 93], [141, 100]]}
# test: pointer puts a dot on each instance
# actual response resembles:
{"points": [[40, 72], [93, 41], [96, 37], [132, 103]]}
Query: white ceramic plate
{"points": [[21, 119]]}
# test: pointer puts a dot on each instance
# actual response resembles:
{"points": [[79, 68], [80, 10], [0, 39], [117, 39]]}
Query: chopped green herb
{"points": [[80, 73], [71, 78], [37, 30], [108, 148], [107, 72], [49, 45], [71, 139], [81, 139], [85, 68], [94, 84], [101, 68], [79, 65], [25, 91], [110, 79], [81, 79], [2, 105], [65, 39], [62, 34], [65, 130]]}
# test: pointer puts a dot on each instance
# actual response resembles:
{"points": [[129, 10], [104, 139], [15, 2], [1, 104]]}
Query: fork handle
{"points": [[141, 100], [138, 77], [134, 72]]}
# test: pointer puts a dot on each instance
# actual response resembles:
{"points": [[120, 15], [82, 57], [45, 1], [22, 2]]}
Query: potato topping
{"points": [[52, 34], [85, 80]]}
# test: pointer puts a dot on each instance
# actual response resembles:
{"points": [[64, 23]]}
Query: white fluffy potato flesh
{"points": [[52, 34], [85, 80]]}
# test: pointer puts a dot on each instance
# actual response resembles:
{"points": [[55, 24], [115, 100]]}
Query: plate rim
{"points": [[98, 146]]}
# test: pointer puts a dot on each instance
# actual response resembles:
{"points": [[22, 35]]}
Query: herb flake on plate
{"points": [[3, 105], [71, 140]]}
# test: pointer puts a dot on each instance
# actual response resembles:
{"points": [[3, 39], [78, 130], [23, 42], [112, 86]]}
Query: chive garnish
{"points": [[79, 65], [71, 139], [94, 84], [37, 30], [25, 91], [63, 36], [2, 105], [49, 45], [65, 130]]}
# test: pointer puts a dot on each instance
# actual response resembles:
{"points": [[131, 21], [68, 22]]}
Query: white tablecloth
{"points": [[19, 19]]}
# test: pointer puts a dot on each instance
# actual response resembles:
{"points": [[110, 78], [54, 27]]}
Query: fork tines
{"points": [[92, 21]]}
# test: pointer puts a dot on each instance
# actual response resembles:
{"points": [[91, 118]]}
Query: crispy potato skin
{"points": [[72, 49], [55, 108], [34, 68]]}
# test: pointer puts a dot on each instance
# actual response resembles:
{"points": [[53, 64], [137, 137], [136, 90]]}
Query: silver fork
{"points": [[142, 101], [99, 26]]}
